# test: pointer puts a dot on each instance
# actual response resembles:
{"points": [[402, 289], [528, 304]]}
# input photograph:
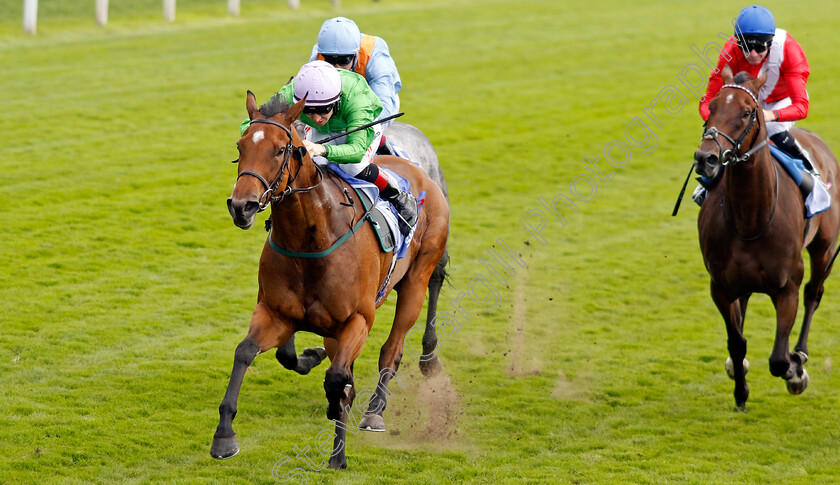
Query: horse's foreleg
{"points": [[742, 302], [409, 304], [263, 334], [736, 343], [338, 382], [303, 363]]}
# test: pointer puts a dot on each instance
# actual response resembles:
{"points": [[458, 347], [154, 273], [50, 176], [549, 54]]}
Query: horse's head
{"points": [[735, 117], [270, 153]]}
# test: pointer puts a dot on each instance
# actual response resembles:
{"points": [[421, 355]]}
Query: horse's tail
{"points": [[440, 274]]}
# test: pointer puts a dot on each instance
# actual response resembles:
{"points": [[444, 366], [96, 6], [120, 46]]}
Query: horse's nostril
{"points": [[705, 158], [251, 207]]}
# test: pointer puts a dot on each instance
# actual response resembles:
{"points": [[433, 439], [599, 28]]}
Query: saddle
{"points": [[815, 193]]}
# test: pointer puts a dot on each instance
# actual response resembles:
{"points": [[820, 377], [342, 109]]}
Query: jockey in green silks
{"points": [[337, 101]]}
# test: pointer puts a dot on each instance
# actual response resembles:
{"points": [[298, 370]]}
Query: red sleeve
{"points": [[795, 71], [727, 56]]}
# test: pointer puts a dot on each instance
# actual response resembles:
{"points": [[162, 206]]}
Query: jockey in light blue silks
{"points": [[341, 44]]}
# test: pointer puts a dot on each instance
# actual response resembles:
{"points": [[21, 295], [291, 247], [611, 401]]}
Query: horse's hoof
{"points": [[318, 353], [338, 464], [223, 448], [431, 367], [797, 385], [741, 407], [730, 369], [372, 422]]}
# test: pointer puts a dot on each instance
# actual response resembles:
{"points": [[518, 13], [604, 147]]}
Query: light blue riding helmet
{"points": [[339, 36], [755, 20]]}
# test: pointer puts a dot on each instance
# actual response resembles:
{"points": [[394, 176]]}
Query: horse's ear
{"points": [[251, 105], [295, 110], [726, 74], [759, 82]]}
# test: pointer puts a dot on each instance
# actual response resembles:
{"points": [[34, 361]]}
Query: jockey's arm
{"points": [[386, 93], [798, 109], [356, 143], [384, 79]]}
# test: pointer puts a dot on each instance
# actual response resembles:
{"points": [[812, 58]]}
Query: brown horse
{"points": [[752, 229], [328, 287]]}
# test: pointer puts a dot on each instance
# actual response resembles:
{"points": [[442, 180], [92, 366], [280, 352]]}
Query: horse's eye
{"points": [[280, 151], [746, 114]]}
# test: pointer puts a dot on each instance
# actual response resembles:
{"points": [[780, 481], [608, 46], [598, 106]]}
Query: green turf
{"points": [[125, 287]]}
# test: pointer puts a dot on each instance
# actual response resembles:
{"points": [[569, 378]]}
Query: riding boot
{"points": [[385, 148], [403, 202], [786, 142], [807, 185]]}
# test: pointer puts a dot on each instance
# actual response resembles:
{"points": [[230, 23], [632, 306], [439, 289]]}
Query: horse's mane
{"points": [[743, 77], [273, 106]]}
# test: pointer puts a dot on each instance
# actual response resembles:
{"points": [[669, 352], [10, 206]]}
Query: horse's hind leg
{"points": [[820, 252], [412, 292], [429, 362], [303, 363], [736, 343], [264, 333], [786, 302]]}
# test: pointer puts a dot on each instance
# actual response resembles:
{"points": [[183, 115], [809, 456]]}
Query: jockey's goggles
{"points": [[758, 44], [318, 110], [341, 60]]}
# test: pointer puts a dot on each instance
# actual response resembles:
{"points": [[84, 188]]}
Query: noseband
{"points": [[270, 188], [731, 157]]}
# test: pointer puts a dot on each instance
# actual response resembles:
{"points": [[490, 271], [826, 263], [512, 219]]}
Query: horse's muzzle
{"points": [[706, 163], [243, 212]]}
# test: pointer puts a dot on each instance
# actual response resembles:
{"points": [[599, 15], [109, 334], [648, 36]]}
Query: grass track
{"points": [[126, 288]]}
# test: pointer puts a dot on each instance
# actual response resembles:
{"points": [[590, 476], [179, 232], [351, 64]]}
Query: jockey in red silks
{"points": [[758, 47]]}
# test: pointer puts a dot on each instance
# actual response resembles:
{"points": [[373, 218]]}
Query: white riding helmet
{"points": [[339, 36], [319, 82]]}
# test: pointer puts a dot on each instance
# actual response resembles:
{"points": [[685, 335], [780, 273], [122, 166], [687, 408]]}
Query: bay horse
{"points": [[752, 229], [328, 283]]}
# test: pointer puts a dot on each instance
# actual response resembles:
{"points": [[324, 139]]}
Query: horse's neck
{"points": [[750, 191], [309, 221]]}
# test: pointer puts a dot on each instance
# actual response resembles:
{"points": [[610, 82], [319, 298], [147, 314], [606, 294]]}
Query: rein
{"points": [[268, 196]]}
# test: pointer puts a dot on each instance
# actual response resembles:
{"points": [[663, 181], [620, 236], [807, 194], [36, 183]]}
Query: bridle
{"points": [[731, 157], [287, 151]]}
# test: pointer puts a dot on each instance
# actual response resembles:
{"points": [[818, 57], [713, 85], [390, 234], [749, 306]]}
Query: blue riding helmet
{"points": [[339, 36], [755, 20]]}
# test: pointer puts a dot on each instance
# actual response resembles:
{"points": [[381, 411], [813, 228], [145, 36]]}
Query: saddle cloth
{"points": [[390, 237], [819, 199]]}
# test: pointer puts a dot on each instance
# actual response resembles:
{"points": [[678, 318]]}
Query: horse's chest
{"points": [[747, 272]]}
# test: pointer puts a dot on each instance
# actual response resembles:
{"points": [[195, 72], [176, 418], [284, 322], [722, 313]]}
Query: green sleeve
{"points": [[359, 106], [356, 143]]}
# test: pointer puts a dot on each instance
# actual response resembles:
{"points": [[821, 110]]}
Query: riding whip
{"points": [[682, 192], [367, 125]]}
